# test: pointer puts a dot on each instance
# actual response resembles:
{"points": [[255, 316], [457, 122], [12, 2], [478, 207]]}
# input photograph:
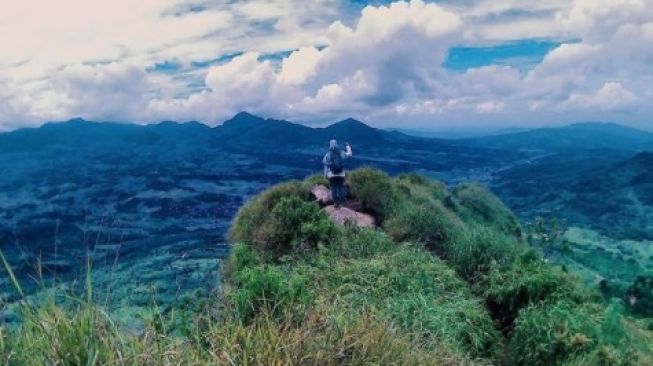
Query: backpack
{"points": [[336, 165]]}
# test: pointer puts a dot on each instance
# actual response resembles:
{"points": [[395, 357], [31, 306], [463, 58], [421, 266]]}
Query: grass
{"points": [[447, 280]]}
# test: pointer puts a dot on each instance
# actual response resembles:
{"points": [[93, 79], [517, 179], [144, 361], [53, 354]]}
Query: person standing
{"points": [[334, 170]]}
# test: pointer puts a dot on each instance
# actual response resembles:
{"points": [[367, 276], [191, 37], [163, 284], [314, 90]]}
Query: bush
{"points": [[241, 257], [642, 290], [420, 188], [362, 243], [475, 203], [289, 226], [316, 179], [479, 249], [509, 290], [374, 190], [296, 224], [327, 336], [581, 334], [419, 293], [266, 289], [429, 223], [250, 224]]}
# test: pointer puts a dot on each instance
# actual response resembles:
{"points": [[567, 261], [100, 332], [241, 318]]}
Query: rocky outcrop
{"points": [[346, 216], [321, 195]]}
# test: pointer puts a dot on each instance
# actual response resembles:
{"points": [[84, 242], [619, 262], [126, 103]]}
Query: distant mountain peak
{"points": [[244, 117], [77, 120], [351, 124]]}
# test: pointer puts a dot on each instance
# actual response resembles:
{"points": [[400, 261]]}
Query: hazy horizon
{"points": [[434, 131]]}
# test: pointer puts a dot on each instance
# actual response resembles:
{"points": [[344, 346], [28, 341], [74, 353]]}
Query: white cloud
{"points": [[81, 58], [612, 95], [390, 54], [299, 66]]}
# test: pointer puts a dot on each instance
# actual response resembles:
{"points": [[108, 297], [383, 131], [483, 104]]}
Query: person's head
{"points": [[333, 144]]}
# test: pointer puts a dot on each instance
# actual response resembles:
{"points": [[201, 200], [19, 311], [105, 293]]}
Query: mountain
{"points": [[82, 134], [575, 137], [248, 129], [609, 193], [355, 131], [622, 194]]}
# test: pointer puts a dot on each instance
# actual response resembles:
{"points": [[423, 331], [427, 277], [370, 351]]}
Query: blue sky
{"points": [[429, 65], [521, 54]]}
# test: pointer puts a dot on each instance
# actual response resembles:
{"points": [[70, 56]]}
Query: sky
{"points": [[466, 64]]}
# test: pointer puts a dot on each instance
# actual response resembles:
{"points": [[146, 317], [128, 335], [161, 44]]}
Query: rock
{"points": [[321, 194], [344, 215]]}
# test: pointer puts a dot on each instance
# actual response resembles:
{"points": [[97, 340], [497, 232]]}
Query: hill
{"points": [[446, 280], [579, 136], [607, 193]]}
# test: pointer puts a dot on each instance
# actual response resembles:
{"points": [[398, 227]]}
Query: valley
{"points": [[150, 205]]}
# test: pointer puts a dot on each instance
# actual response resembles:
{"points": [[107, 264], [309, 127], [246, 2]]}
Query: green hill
{"points": [[446, 279]]}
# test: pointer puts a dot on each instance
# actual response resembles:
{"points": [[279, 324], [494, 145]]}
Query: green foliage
{"points": [[429, 223], [642, 292], [581, 334], [328, 335], [475, 203], [288, 226], [374, 190], [526, 282], [415, 291], [242, 256], [362, 243], [481, 248], [417, 187], [266, 288], [251, 224], [316, 179]]}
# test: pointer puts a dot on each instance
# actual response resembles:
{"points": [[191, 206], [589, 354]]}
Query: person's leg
{"points": [[341, 185], [337, 183], [334, 189], [338, 199]]}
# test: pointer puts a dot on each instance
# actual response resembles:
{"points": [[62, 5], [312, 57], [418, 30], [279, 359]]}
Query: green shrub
{"points": [[429, 223], [475, 203], [290, 225], [329, 336], [374, 190], [3, 342], [642, 291], [362, 243], [250, 225], [298, 224], [242, 256], [508, 290], [266, 289], [479, 249], [419, 188], [316, 179], [580, 334], [416, 291]]}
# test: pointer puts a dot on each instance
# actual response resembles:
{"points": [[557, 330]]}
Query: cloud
{"points": [[612, 95], [322, 61], [391, 53]]}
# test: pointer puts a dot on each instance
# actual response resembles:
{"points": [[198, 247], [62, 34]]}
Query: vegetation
{"points": [[447, 281]]}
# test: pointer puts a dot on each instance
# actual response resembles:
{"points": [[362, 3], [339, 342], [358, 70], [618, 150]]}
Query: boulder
{"points": [[344, 215], [321, 194]]}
